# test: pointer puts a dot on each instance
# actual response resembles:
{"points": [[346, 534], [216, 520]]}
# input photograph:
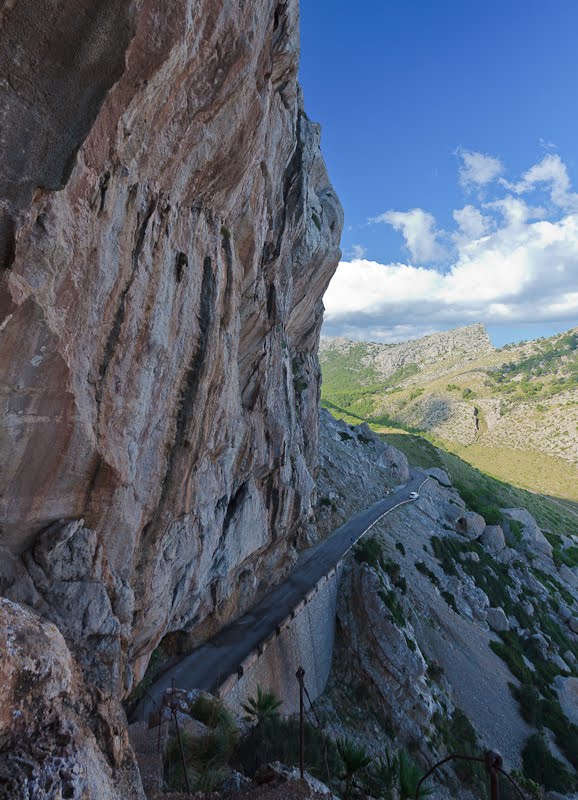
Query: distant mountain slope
{"points": [[496, 408]]}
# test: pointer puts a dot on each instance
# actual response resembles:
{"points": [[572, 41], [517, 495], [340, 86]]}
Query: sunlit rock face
{"points": [[168, 231]]}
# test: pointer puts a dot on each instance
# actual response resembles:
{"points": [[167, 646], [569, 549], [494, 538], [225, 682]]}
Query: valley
{"points": [[496, 409]]}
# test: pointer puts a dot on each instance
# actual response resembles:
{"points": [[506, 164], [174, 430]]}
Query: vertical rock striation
{"points": [[168, 230]]}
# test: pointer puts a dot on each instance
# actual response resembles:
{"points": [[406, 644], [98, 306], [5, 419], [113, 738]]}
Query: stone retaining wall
{"points": [[304, 638]]}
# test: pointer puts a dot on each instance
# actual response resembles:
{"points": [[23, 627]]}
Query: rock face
{"points": [[46, 743], [532, 537], [379, 651], [356, 465], [567, 689], [493, 538], [168, 230]]}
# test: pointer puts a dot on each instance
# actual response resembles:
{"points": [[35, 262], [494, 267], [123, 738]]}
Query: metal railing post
{"points": [[493, 762], [300, 674], [184, 763]]}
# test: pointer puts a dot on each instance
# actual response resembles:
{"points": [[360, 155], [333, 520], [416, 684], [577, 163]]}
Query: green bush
{"points": [[510, 652], [435, 671], [450, 599], [278, 740], [424, 569], [390, 600], [540, 765], [369, 551]]}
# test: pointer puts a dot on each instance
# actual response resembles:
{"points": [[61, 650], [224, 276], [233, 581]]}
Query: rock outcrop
{"points": [[533, 539], [168, 230], [58, 736]]}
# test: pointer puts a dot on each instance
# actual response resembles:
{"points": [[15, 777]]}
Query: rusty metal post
{"points": [[184, 763], [300, 674], [493, 762]]}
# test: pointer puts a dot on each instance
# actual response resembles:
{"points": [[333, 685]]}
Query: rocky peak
{"points": [[460, 344]]}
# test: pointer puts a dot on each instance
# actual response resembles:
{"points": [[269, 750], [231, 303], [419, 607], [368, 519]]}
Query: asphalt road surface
{"points": [[208, 666]]}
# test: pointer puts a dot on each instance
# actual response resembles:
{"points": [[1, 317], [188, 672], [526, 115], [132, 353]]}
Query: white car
{"points": [[413, 495]]}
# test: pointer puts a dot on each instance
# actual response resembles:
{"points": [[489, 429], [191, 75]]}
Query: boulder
{"points": [[497, 620], [573, 624], [559, 662], [533, 539], [440, 476], [567, 690], [471, 525], [568, 576], [493, 538]]}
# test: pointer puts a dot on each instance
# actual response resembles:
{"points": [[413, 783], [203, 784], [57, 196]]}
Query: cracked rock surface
{"points": [[168, 231]]}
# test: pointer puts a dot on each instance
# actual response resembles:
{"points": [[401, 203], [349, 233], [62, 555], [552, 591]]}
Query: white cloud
{"points": [[418, 228], [471, 222], [516, 211], [510, 262], [358, 251], [546, 144], [551, 171], [515, 274], [478, 169]]}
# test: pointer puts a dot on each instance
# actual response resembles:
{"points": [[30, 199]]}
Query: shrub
{"points": [[263, 707], [540, 765], [528, 698], [369, 551], [277, 739], [410, 773], [355, 759], [424, 569], [435, 671], [450, 600], [509, 651], [390, 600]]}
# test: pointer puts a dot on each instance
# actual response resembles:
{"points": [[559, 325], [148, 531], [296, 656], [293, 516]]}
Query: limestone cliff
{"points": [[167, 232]]}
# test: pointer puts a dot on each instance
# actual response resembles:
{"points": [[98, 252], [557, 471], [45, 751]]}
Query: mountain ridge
{"points": [[488, 405]]}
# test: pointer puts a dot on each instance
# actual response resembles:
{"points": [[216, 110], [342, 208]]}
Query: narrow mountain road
{"points": [[208, 665]]}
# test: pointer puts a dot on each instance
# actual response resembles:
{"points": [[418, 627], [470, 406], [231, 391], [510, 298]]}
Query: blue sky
{"points": [[437, 108]]}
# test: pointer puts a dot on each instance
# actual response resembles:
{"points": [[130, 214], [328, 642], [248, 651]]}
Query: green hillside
{"points": [[498, 409]]}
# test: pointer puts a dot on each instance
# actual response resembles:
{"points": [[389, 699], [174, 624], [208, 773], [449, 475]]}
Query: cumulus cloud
{"points": [[418, 228], [551, 171], [506, 262], [477, 169], [471, 222], [511, 275]]}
